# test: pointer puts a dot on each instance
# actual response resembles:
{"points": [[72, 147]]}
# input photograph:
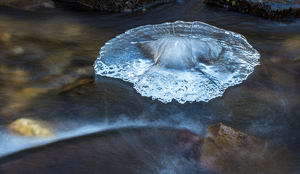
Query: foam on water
{"points": [[185, 61]]}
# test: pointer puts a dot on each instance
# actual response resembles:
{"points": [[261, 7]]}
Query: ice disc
{"points": [[185, 61]]}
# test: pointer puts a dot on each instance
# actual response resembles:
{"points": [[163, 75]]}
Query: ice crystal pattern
{"points": [[185, 61]]}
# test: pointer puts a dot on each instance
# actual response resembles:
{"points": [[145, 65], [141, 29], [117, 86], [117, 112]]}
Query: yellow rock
{"points": [[31, 128]]}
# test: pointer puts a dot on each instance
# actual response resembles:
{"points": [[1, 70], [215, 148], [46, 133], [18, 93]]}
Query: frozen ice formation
{"points": [[185, 61]]}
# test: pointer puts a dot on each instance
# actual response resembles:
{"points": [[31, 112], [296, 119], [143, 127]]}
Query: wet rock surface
{"points": [[227, 136], [118, 5], [267, 8]]}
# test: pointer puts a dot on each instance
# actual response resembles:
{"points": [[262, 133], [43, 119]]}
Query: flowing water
{"points": [[46, 73]]}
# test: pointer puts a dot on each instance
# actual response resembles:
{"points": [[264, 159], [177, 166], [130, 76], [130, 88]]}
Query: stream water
{"points": [[46, 73]]}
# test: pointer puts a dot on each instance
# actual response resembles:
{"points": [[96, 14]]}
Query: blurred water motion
{"points": [[46, 58]]}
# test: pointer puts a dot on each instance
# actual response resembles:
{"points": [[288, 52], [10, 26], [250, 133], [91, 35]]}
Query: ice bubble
{"points": [[185, 61]]}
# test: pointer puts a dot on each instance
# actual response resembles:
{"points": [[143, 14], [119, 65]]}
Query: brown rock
{"points": [[223, 135], [78, 77]]}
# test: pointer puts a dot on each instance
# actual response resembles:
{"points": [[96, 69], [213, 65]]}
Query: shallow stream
{"points": [[46, 73]]}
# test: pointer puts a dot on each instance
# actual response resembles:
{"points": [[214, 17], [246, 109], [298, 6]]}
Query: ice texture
{"points": [[185, 61]]}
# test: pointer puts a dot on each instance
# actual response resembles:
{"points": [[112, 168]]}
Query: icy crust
{"points": [[210, 60]]}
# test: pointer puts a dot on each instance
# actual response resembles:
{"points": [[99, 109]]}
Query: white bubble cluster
{"points": [[185, 61]]}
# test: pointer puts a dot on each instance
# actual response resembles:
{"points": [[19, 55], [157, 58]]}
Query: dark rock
{"points": [[273, 9], [118, 5]]}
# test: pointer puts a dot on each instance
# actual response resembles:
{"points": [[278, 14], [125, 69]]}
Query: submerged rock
{"points": [[24, 97], [267, 8], [119, 5], [57, 63], [30, 128], [222, 141], [229, 151], [21, 99], [4, 36], [14, 75], [227, 136]]}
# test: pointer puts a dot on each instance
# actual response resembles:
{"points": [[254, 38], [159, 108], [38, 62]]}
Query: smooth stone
{"points": [[30, 128]]}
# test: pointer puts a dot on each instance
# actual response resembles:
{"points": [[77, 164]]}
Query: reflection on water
{"points": [[46, 73]]}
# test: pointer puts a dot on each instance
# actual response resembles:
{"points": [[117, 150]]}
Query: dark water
{"points": [[46, 58]]}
